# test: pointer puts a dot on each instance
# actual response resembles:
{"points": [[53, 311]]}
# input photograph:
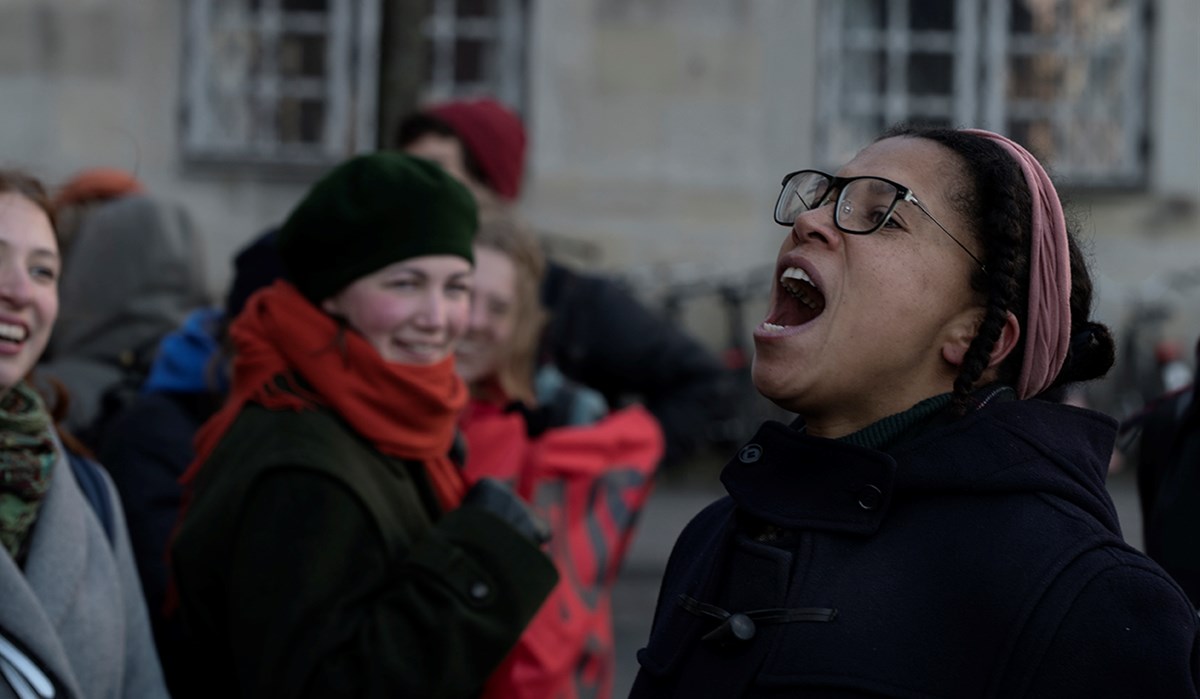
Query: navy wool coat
{"points": [[982, 558]]}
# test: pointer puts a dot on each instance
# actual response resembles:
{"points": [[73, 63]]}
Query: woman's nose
{"points": [[433, 310], [477, 318], [816, 226], [15, 285]]}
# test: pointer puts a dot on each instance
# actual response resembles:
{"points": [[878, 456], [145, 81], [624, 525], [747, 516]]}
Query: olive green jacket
{"points": [[310, 565]]}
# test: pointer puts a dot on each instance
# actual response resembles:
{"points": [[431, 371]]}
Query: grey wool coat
{"points": [[77, 609]]}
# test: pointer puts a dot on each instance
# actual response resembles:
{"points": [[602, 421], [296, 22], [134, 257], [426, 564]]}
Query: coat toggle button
{"points": [[737, 628], [479, 590], [750, 453], [870, 497]]}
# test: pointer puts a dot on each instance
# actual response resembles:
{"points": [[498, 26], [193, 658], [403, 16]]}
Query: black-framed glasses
{"points": [[864, 204]]}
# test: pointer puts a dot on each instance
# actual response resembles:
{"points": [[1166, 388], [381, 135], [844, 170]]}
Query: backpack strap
{"points": [[95, 489]]}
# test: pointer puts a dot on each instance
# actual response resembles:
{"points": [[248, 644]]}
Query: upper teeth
{"points": [[796, 273], [797, 283], [15, 333]]}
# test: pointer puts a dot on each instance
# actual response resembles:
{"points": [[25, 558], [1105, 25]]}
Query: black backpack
{"points": [[95, 490]]}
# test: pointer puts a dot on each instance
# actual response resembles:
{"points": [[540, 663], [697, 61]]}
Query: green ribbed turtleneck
{"points": [[883, 433]]}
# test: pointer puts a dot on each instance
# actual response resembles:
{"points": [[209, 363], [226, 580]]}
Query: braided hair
{"points": [[994, 198]]}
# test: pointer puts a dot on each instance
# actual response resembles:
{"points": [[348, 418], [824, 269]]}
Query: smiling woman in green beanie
{"points": [[329, 546]]}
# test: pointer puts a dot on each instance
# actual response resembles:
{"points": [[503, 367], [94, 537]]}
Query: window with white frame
{"points": [[279, 81], [475, 47], [1066, 78]]}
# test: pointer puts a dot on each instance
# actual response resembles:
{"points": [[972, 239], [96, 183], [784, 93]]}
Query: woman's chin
{"points": [[775, 386]]}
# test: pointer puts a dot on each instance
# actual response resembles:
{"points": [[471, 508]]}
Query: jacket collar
{"points": [[39, 598], [794, 480]]}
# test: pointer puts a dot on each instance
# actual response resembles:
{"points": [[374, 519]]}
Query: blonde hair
{"points": [[500, 229]]}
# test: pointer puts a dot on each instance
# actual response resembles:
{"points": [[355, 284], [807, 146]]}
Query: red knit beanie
{"points": [[494, 136]]}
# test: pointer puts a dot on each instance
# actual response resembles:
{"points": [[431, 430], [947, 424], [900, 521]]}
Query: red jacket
{"points": [[589, 482]]}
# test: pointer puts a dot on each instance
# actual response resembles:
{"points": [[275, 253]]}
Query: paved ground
{"points": [[673, 504]]}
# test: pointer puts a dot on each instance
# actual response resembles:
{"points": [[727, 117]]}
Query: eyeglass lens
{"points": [[804, 191], [862, 204]]}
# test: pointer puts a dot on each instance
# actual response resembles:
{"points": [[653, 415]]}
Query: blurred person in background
{"points": [[929, 526], [72, 619], [596, 333], [148, 446], [587, 471], [1168, 483], [329, 545], [132, 272]]}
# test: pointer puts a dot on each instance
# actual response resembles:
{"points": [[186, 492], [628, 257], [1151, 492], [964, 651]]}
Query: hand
{"points": [[498, 499]]}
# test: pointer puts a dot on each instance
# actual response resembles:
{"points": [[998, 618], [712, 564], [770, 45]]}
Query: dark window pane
{"points": [[930, 74], [1031, 17], [932, 14], [469, 58], [302, 55], [1022, 20], [476, 8], [305, 5], [863, 14], [300, 120]]}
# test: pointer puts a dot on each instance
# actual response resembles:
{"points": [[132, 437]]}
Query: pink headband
{"points": [[1048, 322]]}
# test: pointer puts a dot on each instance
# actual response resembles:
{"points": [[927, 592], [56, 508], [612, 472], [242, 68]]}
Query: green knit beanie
{"points": [[369, 212]]}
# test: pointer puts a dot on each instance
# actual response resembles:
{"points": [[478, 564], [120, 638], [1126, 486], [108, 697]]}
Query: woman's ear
{"points": [[1009, 334], [954, 349]]}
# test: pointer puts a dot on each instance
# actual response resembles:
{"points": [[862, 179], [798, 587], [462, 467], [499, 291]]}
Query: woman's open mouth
{"points": [[13, 334], [801, 303]]}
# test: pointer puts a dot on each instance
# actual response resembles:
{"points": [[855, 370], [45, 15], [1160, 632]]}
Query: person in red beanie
{"points": [[597, 334], [481, 142]]}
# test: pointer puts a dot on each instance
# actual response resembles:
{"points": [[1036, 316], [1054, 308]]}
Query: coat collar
{"points": [[794, 480], [39, 598]]}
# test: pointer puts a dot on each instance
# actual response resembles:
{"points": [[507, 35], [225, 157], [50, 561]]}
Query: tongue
{"points": [[790, 311]]}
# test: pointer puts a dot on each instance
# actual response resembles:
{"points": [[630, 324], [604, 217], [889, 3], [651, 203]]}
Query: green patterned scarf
{"points": [[27, 455]]}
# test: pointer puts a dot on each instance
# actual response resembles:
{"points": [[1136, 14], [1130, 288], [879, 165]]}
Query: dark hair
{"points": [[996, 200], [419, 124]]}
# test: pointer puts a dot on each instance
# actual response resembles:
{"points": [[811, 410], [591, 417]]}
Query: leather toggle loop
{"points": [[741, 627]]}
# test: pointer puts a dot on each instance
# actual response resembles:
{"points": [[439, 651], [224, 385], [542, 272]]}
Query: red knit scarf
{"points": [[406, 411]]}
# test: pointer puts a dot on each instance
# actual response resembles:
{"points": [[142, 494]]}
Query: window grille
{"points": [[476, 47], [280, 81], [296, 81], [1064, 78]]}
